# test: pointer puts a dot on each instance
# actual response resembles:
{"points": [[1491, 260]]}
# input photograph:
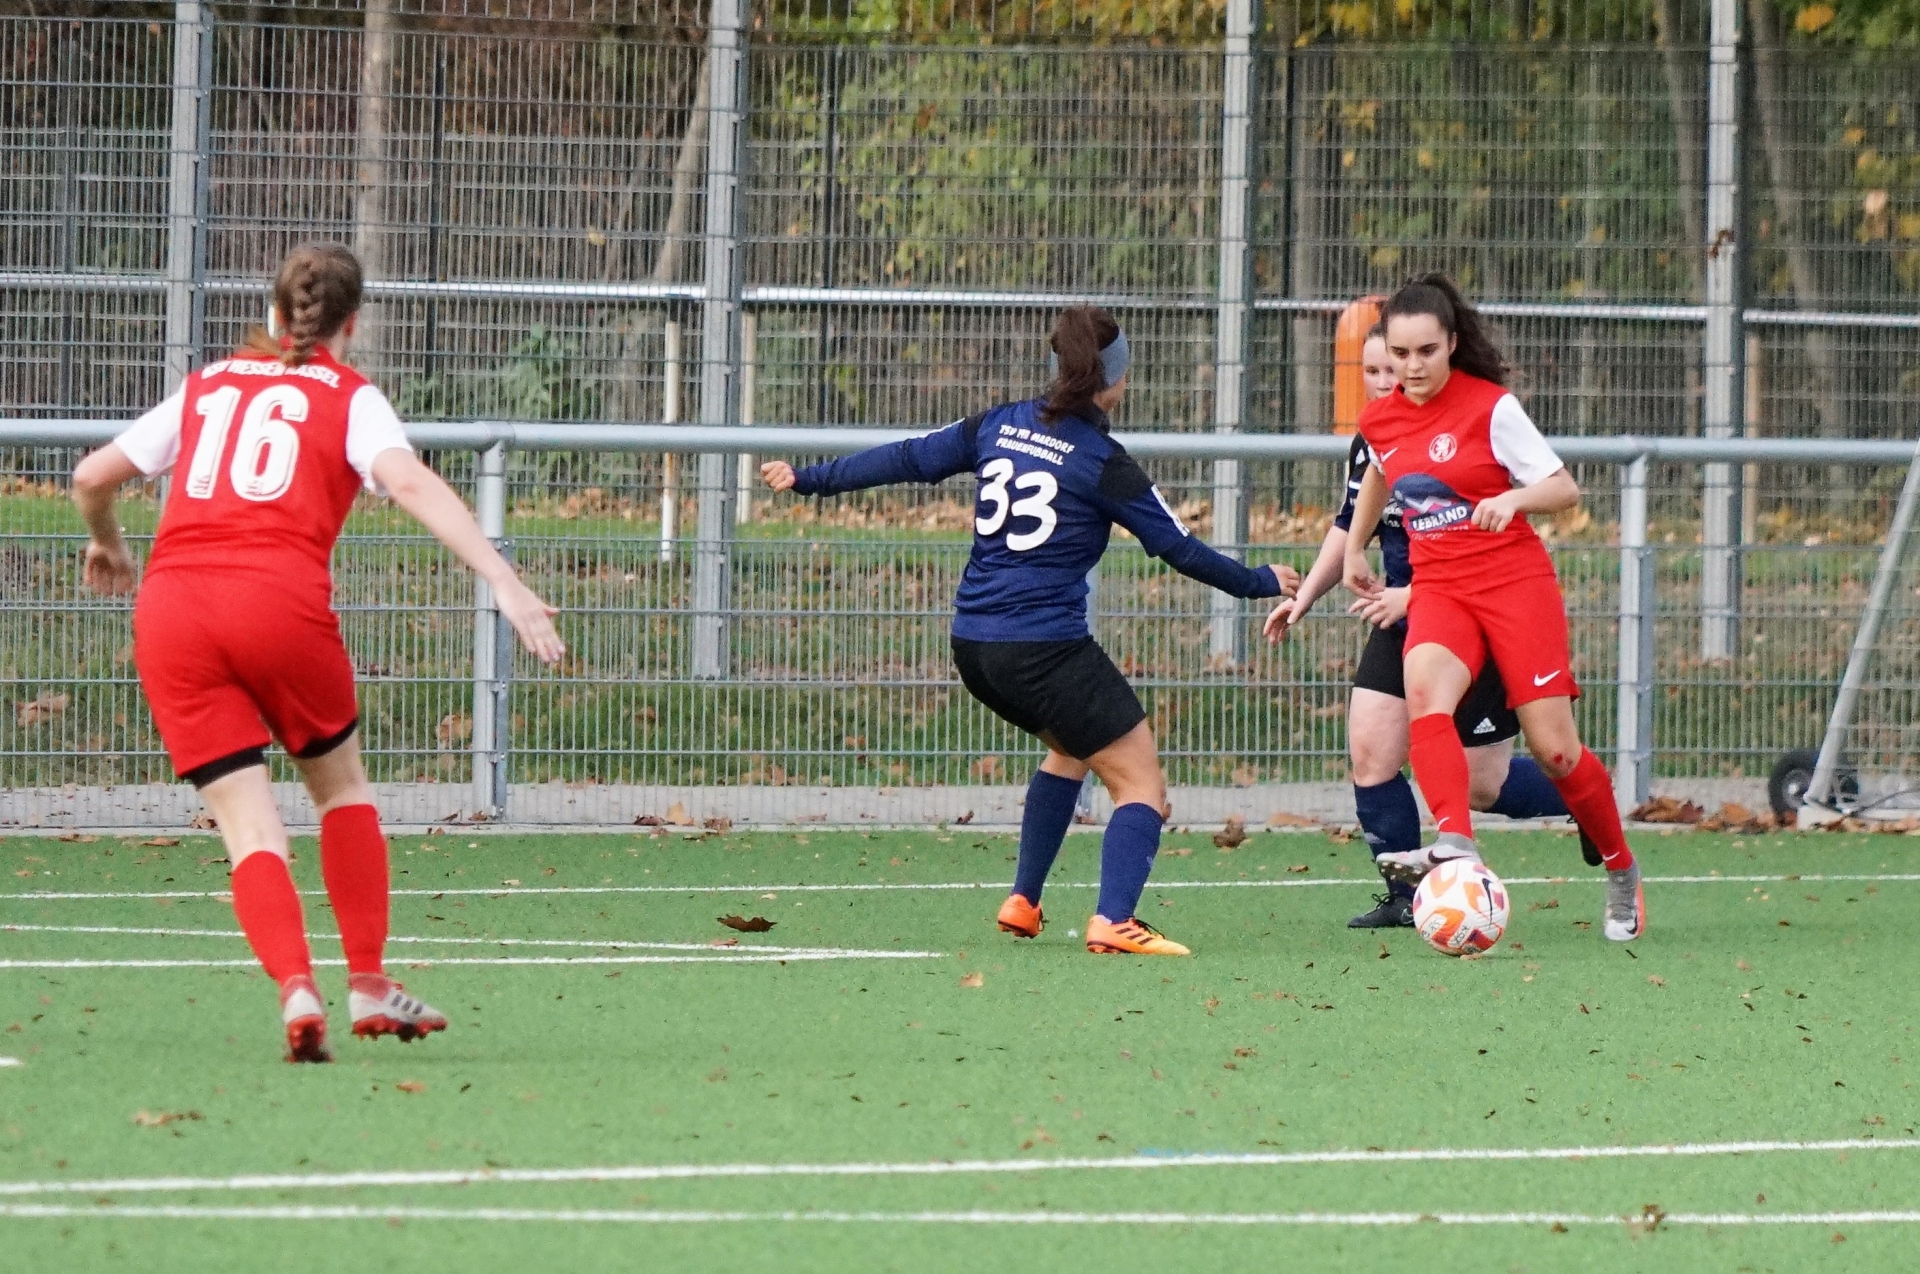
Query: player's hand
{"points": [[777, 474], [1383, 609], [1282, 618], [1495, 512], [108, 568], [1288, 577], [532, 619], [1358, 576]]}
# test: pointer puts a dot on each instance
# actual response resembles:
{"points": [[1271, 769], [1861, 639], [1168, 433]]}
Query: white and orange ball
{"points": [[1461, 908]]}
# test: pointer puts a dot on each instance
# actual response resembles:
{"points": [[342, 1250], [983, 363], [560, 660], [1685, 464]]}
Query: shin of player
{"points": [[235, 638], [1466, 466]]}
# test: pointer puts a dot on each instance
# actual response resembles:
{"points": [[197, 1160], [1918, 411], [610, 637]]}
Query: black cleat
{"points": [[1388, 912], [1589, 850]]}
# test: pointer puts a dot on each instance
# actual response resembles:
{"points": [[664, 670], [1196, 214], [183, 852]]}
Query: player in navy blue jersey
{"points": [[1052, 482], [1377, 719]]}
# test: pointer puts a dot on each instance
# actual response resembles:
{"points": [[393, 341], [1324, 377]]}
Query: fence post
{"points": [[1233, 312], [1724, 348], [720, 334], [670, 461], [492, 657], [186, 187], [1633, 736]]}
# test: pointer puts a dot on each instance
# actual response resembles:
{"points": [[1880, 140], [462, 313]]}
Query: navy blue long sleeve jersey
{"points": [[1047, 500], [1395, 562]]}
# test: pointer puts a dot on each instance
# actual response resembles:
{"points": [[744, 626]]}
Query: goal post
{"points": [[1875, 726]]}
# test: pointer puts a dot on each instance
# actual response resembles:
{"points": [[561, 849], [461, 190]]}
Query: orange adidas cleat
{"points": [[381, 1006], [1022, 918], [1129, 937], [305, 1015]]}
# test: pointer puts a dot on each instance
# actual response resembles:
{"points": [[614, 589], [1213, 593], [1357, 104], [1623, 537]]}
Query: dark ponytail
{"points": [[1476, 350], [316, 291], [1079, 334]]}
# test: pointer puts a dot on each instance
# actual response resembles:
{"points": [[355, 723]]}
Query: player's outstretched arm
{"points": [[934, 457], [1368, 508], [1321, 576], [108, 566], [425, 494]]}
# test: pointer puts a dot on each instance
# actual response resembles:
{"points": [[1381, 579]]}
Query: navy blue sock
{"points": [[1528, 792], [1126, 858], [1390, 820], [1043, 826]]}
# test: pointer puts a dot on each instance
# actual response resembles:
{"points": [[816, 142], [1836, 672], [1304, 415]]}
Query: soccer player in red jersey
{"points": [[1466, 465], [235, 637]]}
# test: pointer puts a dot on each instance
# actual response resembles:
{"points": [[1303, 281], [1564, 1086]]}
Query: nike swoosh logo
{"points": [[1541, 681], [1388, 455]]}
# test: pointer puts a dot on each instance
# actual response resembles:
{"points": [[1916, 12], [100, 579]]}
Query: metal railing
{"points": [[1629, 597]]}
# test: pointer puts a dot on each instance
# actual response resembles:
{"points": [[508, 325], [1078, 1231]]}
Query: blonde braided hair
{"points": [[315, 292]]}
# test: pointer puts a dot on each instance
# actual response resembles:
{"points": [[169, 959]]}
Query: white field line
{"points": [[10, 1061], [718, 957], [589, 943], [933, 1168], [574, 1216], [1371, 882]]}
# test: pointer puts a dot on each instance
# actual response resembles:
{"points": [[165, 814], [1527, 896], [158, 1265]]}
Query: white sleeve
{"points": [[1517, 444], [152, 442], [372, 428]]}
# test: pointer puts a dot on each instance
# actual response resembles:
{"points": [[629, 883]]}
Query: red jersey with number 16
{"points": [[1469, 442], [267, 461]]}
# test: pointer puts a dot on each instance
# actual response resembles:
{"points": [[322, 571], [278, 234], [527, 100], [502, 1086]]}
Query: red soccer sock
{"points": [[268, 908], [353, 860], [1588, 792], [1440, 767]]}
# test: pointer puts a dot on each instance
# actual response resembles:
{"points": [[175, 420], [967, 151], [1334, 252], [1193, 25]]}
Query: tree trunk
{"points": [[1821, 358], [372, 179], [687, 168]]}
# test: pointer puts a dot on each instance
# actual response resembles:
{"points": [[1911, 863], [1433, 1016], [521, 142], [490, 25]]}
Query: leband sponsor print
{"points": [[1429, 506]]}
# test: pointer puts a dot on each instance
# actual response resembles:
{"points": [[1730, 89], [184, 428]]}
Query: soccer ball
{"points": [[1461, 908]]}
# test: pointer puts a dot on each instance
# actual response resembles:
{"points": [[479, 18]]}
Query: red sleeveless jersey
{"points": [[1469, 442], [267, 460]]}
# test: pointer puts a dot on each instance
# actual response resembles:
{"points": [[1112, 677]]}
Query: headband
{"points": [[1114, 360]]}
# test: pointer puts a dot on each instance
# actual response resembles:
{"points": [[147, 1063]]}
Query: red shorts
{"points": [[1520, 624], [227, 666]]}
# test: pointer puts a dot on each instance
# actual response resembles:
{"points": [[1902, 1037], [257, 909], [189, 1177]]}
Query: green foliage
{"points": [[541, 378]]}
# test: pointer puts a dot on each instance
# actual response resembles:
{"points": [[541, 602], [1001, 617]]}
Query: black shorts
{"points": [[1066, 693], [1483, 717]]}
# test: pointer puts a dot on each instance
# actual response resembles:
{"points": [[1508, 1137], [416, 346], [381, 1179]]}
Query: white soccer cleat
{"points": [[1410, 866], [1626, 915], [381, 1006], [304, 1014]]}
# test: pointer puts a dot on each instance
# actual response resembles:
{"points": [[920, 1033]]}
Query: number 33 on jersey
{"points": [[268, 461]]}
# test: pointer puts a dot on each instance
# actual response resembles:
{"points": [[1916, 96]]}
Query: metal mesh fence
{"points": [[924, 183]]}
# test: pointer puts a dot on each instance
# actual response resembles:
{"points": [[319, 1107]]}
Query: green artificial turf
{"points": [[1778, 1009]]}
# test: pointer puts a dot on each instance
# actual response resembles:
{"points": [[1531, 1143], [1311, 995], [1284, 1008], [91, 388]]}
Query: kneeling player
{"points": [[235, 637]]}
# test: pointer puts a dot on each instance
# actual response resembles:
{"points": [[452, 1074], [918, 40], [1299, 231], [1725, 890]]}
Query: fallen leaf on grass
{"points": [[1280, 818], [724, 942], [1299, 868], [973, 979], [161, 842], [411, 1086], [45, 706], [1667, 809], [203, 822], [1233, 835], [79, 838], [718, 824], [747, 924], [1178, 853], [649, 820], [1338, 835], [1656, 979], [678, 816], [161, 1118]]}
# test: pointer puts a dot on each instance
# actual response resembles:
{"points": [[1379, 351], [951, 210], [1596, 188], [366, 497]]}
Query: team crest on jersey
{"points": [[1442, 448], [1428, 504]]}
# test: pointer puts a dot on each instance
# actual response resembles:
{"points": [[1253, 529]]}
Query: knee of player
{"points": [[1555, 758], [1483, 793], [1375, 761]]}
